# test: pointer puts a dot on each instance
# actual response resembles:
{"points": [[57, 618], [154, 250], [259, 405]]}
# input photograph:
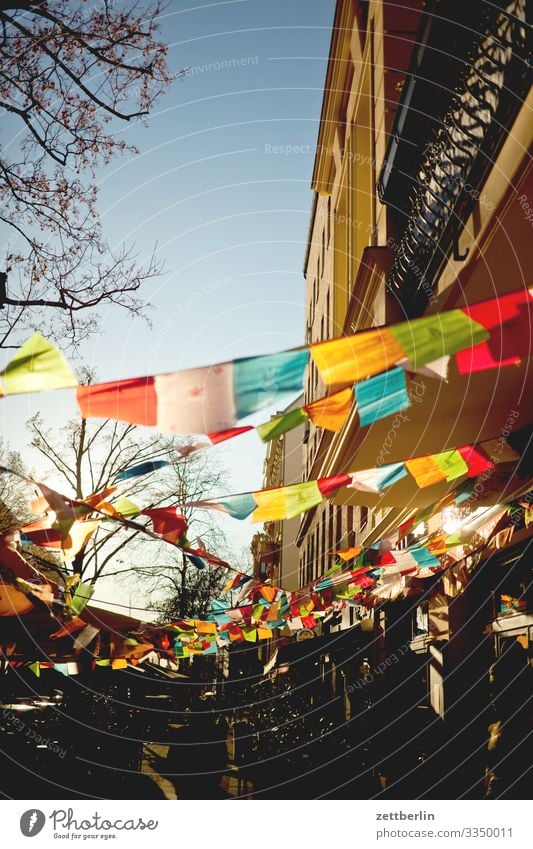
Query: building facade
{"points": [[421, 203], [275, 554], [422, 186], [347, 256]]}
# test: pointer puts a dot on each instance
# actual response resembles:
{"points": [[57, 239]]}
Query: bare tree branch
{"points": [[68, 72]]}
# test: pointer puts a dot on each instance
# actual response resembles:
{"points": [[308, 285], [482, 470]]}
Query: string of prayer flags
{"points": [[199, 562], [236, 581], [376, 398], [269, 504], [329, 413], [434, 468], [67, 528], [37, 366], [276, 504], [210, 439], [213, 399], [489, 334], [378, 479], [383, 574], [420, 341], [407, 561], [344, 577], [253, 622], [202, 400]]}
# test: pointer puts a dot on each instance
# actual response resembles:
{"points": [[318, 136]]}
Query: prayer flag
{"points": [[37, 366], [509, 320], [452, 464], [381, 396], [331, 412], [167, 522], [431, 337], [141, 469], [425, 470], [357, 357], [281, 424]]}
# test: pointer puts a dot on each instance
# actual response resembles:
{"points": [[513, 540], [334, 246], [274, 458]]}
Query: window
{"points": [[323, 552], [317, 551], [338, 531]]}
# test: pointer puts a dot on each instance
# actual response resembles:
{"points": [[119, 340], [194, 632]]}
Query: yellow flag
{"points": [[271, 505], [354, 358], [330, 413], [425, 471]]}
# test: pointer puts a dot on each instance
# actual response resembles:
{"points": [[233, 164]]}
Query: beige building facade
{"points": [[345, 266]]}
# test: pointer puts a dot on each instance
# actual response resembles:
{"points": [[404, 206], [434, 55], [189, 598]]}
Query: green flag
{"points": [[428, 338], [281, 424], [37, 367]]}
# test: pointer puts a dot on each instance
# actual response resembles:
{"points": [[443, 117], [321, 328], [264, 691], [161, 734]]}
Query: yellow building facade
{"points": [[422, 185], [344, 265]]}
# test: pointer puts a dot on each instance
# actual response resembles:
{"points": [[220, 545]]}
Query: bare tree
{"points": [[87, 457], [178, 588], [69, 71], [188, 592], [14, 492]]}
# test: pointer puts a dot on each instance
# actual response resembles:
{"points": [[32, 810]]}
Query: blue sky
{"points": [[229, 212]]}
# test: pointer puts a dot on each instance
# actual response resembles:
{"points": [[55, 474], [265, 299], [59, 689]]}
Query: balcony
{"points": [[465, 87]]}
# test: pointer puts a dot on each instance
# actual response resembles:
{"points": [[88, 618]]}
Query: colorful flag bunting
{"points": [[269, 505]]}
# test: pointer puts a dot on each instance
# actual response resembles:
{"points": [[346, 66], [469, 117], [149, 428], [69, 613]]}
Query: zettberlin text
{"points": [[402, 815]]}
